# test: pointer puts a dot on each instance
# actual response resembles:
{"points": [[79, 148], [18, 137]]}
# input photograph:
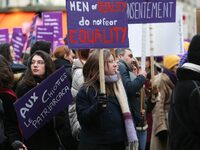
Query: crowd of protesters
{"points": [[137, 112]]}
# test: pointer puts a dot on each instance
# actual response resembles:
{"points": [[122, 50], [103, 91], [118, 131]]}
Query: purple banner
{"points": [[45, 33], [4, 36], [97, 24], [18, 42], [153, 11], [54, 19], [42, 103]]}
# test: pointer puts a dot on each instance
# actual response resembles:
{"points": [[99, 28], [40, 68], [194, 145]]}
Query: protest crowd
{"points": [[71, 93]]}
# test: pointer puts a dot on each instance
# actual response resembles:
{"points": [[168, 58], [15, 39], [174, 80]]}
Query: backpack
{"points": [[3, 138]]}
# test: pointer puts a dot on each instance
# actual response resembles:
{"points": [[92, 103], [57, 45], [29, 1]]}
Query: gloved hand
{"points": [[18, 145], [102, 100], [162, 135]]}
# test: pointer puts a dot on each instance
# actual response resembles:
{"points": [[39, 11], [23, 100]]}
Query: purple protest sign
{"points": [[42, 103], [153, 11], [54, 19], [44, 33], [4, 38], [97, 24], [18, 42]]}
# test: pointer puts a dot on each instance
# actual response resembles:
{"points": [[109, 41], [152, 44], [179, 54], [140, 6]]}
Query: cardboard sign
{"points": [[167, 38], [153, 11], [42, 103], [97, 23], [4, 38], [53, 19]]}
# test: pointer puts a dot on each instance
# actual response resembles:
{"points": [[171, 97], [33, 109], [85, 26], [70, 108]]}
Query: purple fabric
{"points": [[183, 59], [171, 75], [127, 116], [130, 130]]}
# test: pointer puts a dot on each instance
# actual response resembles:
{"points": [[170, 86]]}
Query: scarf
{"points": [[111, 78], [192, 67], [128, 120]]}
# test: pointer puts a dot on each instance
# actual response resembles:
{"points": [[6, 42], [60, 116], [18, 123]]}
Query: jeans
{"points": [[142, 138]]}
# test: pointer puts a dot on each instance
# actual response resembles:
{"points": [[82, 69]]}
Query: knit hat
{"points": [[194, 50], [170, 61]]}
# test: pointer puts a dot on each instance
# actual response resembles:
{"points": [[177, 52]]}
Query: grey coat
{"points": [[77, 81]]}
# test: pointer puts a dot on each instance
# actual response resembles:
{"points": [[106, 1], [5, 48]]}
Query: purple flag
{"points": [[97, 23], [53, 19], [18, 42], [151, 11], [4, 38], [43, 102]]}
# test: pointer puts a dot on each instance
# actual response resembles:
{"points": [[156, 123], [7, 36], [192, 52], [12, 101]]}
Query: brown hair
{"points": [[60, 52], [83, 54], [6, 74], [91, 71], [28, 78]]}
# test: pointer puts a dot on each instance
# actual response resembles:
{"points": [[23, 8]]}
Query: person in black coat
{"points": [[100, 115], [7, 112], [40, 66], [184, 123], [64, 57]]}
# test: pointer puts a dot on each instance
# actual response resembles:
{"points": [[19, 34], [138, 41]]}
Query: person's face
{"points": [[37, 66], [134, 68], [128, 57], [110, 66], [12, 53]]}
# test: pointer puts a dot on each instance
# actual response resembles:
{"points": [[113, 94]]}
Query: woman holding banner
{"points": [[12, 138], [105, 119], [40, 66]]}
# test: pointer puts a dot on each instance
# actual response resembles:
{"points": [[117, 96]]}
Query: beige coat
{"points": [[161, 109]]}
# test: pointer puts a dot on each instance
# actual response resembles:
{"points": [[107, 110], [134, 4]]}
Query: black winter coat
{"points": [[132, 88], [184, 122], [98, 125], [68, 67], [12, 130]]}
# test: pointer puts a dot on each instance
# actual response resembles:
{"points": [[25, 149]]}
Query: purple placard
{"points": [[45, 33], [4, 36], [18, 42], [54, 19], [153, 11], [97, 24], [43, 102]]}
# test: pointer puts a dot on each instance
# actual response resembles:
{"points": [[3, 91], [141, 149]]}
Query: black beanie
{"points": [[194, 50]]}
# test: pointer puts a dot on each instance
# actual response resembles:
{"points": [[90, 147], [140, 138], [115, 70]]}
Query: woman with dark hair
{"points": [[8, 52], [40, 66], [105, 119], [8, 97]]}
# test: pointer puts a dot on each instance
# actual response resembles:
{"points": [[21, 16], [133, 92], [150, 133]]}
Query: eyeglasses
{"points": [[112, 61], [39, 62]]}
